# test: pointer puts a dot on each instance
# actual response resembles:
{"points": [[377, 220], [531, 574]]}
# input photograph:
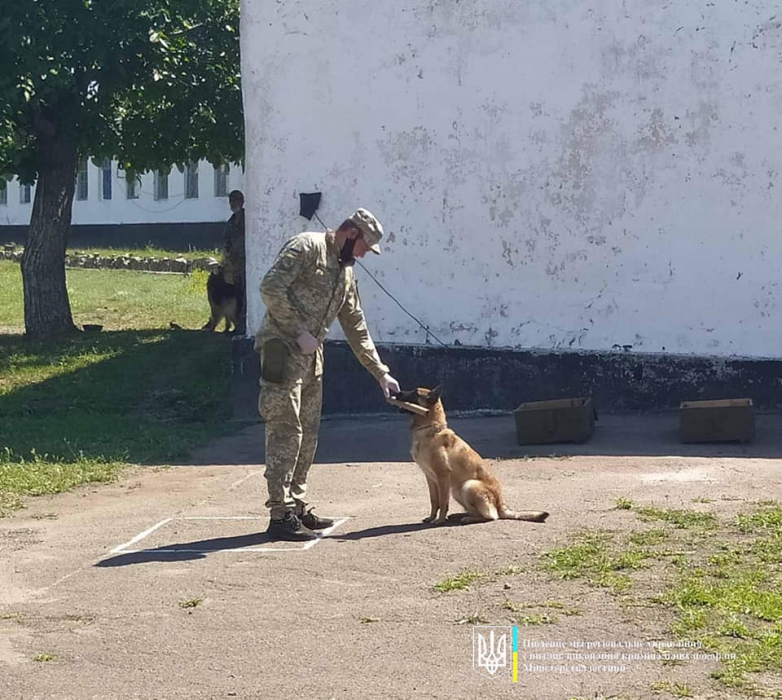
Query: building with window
{"points": [[171, 209]]}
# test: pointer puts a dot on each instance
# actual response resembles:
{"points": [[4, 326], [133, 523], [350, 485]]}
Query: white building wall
{"points": [[121, 210], [550, 173]]}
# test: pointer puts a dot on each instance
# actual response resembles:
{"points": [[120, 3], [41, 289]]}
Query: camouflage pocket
{"points": [[275, 358]]}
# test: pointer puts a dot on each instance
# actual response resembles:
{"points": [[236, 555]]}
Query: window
{"points": [[3, 192], [105, 180], [161, 185], [221, 180], [191, 181], [24, 194], [82, 181], [133, 186]]}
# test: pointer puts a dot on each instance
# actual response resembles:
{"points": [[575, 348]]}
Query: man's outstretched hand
{"points": [[389, 385]]}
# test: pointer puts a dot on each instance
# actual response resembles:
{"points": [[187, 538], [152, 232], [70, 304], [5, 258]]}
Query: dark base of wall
{"points": [[174, 237], [478, 379]]}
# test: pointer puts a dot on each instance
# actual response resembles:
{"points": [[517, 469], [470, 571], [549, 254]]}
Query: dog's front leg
{"points": [[444, 495], [434, 499]]}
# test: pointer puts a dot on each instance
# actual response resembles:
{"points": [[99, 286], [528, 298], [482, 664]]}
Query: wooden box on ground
{"points": [[727, 420], [563, 420]]}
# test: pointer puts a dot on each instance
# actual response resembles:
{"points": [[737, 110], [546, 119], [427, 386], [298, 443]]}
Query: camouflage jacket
{"points": [[305, 289]]}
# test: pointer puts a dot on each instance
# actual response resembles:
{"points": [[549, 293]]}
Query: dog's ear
{"points": [[434, 395]]}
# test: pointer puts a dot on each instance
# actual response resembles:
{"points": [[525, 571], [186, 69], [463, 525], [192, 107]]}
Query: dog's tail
{"points": [[535, 516]]}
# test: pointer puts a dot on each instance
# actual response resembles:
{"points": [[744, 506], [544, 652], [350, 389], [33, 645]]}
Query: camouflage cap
{"points": [[370, 227]]}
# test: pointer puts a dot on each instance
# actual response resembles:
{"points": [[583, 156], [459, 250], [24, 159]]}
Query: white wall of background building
{"points": [[550, 173], [95, 203]]}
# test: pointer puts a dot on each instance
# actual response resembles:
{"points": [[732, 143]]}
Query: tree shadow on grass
{"points": [[145, 397], [154, 397]]}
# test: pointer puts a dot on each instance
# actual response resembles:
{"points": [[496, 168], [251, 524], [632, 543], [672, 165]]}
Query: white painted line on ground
{"points": [[214, 551], [119, 549], [122, 549], [323, 533], [140, 536], [220, 517], [243, 479], [228, 490]]}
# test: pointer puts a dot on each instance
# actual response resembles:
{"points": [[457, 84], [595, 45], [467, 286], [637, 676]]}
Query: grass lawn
{"points": [[79, 410], [718, 582], [703, 591], [117, 299]]}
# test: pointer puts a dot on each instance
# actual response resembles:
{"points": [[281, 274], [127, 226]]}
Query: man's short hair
{"points": [[236, 194]]}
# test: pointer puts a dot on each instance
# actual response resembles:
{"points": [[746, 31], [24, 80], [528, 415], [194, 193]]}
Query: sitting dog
{"points": [[451, 466], [223, 301]]}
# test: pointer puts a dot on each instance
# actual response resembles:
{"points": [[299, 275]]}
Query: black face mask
{"points": [[346, 254]]}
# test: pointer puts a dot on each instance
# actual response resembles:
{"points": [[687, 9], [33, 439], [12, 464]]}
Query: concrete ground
{"points": [[163, 586]]}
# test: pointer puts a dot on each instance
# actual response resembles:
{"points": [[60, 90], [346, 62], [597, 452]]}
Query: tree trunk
{"points": [[47, 310]]}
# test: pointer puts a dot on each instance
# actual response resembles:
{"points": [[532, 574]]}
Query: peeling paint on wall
{"points": [[619, 193]]}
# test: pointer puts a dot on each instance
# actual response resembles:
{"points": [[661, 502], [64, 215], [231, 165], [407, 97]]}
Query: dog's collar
{"points": [[434, 427]]}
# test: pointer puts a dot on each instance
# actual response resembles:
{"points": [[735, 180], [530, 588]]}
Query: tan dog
{"points": [[451, 466]]}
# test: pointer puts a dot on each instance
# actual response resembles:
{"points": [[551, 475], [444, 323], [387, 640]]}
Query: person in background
{"points": [[234, 257]]}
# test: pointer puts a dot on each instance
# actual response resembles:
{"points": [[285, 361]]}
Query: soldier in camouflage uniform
{"points": [[234, 257], [309, 285]]}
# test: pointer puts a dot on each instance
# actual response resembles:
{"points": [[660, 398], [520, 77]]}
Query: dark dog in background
{"points": [[223, 301]]}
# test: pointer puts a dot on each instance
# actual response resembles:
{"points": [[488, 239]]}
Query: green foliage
{"points": [[679, 518], [591, 555], [116, 299], [149, 82], [459, 582], [80, 410], [722, 581]]}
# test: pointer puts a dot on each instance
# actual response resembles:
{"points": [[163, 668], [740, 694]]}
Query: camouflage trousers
{"points": [[291, 410]]}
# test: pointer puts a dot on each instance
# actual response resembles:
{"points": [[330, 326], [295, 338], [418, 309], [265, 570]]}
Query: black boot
{"points": [[313, 522], [289, 528]]}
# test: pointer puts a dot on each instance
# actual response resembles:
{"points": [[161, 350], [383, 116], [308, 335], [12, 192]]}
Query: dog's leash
{"points": [[372, 277]]}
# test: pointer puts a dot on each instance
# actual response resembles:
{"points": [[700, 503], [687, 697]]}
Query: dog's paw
{"points": [[439, 521], [428, 519]]}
